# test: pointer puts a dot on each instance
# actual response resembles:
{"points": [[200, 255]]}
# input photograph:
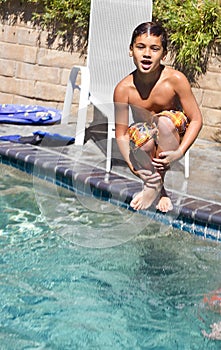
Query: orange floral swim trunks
{"points": [[178, 118], [142, 132]]}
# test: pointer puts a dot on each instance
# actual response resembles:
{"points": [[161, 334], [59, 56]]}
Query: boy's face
{"points": [[147, 52]]}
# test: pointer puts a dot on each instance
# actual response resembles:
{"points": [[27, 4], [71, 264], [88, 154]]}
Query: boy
{"points": [[156, 95]]}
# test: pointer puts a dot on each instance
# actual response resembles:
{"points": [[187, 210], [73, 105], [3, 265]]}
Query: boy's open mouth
{"points": [[146, 64]]}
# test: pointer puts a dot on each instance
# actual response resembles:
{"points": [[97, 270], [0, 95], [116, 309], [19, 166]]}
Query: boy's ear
{"points": [[164, 55]]}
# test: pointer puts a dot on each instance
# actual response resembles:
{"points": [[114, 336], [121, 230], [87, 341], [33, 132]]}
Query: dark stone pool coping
{"points": [[196, 216]]}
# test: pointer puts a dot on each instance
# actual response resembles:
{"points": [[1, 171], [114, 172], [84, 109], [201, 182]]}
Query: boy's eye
{"points": [[140, 46], [155, 48]]}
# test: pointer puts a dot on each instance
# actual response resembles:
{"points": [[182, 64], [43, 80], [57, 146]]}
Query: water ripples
{"points": [[144, 294]]}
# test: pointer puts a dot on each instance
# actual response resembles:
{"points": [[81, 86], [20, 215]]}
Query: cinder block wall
{"points": [[31, 73], [208, 95]]}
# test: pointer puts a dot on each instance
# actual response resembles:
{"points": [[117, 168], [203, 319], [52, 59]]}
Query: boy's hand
{"points": [[166, 159]]}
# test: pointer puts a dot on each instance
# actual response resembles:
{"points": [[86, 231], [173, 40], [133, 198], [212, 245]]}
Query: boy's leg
{"points": [[168, 140], [164, 204], [168, 137], [141, 159]]}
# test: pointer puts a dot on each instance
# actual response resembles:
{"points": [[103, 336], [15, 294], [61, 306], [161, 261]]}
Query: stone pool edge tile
{"points": [[196, 216]]}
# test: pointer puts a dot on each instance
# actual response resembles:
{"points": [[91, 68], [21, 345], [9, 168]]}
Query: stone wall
{"points": [[31, 73], [208, 95]]}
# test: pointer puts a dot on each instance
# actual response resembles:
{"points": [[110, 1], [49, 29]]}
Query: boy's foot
{"points": [[145, 198], [164, 204]]}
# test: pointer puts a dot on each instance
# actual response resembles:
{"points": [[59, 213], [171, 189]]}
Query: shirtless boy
{"points": [[150, 89]]}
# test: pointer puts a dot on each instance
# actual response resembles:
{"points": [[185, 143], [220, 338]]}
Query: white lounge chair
{"points": [[111, 25]]}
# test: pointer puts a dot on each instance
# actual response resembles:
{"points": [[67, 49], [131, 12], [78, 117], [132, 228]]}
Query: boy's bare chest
{"points": [[156, 100]]}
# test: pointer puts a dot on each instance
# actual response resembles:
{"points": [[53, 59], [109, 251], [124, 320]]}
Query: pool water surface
{"points": [[55, 293]]}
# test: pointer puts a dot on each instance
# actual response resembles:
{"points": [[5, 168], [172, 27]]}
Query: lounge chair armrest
{"points": [[71, 86]]}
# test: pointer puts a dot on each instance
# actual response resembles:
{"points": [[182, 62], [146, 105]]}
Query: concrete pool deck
{"points": [[197, 200]]}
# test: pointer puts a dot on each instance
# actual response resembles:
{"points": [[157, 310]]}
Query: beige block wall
{"points": [[31, 73], [208, 95]]}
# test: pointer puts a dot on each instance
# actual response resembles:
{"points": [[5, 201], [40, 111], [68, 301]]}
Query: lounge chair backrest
{"points": [[111, 25]]}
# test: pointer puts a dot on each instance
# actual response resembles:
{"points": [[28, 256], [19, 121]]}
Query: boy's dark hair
{"points": [[150, 28]]}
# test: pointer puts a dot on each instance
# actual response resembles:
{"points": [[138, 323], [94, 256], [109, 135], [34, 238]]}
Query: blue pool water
{"points": [[146, 293]]}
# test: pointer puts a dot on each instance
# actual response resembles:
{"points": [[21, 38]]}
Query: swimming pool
{"points": [[55, 293]]}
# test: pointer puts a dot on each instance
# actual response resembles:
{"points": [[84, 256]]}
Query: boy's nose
{"points": [[147, 52]]}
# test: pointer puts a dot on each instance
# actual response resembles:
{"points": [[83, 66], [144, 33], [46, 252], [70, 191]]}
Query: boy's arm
{"points": [[121, 108], [190, 108]]}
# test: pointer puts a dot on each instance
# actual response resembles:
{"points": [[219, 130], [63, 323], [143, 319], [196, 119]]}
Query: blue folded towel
{"points": [[12, 138], [40, 137], [28, 114]]}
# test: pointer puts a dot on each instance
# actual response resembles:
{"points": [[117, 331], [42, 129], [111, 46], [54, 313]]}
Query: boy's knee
{"points": [[165, 126]]}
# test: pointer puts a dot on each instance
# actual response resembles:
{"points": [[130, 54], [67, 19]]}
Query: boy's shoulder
{"points": [[125, 84], [175, 79], [173, 74], [126, 81]]}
